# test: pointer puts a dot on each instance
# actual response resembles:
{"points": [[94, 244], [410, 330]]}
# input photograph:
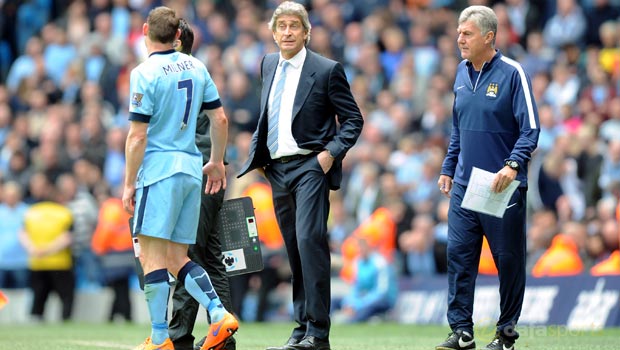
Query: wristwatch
{"points": [[512, 164]]}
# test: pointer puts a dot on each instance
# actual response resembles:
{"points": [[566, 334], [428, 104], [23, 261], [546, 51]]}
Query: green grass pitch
{"points": [[257, 336]]}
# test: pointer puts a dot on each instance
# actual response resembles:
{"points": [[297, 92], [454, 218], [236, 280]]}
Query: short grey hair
{"points": [[295, 9], [484, 18]]}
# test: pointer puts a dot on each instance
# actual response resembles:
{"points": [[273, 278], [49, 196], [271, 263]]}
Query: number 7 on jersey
{"points": [[188, 85]]}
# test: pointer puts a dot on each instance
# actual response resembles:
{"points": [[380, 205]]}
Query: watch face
{"points": [[513, 164]]}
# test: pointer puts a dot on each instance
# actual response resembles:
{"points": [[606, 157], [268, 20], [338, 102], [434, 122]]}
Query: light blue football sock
{"points": [[198, 285], [157, 292]]}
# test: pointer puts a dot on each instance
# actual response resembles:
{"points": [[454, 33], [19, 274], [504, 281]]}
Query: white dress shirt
{"points": [[286, 142]]}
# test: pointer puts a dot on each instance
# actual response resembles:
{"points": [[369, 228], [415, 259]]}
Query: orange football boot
{"points": [[148, 345], [219, 332]]}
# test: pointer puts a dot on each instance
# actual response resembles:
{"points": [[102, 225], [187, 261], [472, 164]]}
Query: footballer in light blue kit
{"points": [[164, 172], [171, 146]]}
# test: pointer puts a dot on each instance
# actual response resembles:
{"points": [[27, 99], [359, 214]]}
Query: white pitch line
{"points": [[103, 344]]}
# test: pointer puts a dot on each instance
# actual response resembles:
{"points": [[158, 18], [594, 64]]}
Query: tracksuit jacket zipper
{"points": [[477, 79]]}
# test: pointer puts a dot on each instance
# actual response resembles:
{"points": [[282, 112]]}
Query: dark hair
{"points": [[187, 37]]}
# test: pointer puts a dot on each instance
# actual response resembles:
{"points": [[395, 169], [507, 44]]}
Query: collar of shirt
{"points": [[297, 60], [486, 64]]}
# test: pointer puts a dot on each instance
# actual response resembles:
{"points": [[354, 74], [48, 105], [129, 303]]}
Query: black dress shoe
{"points": [[311, 343], [290, 342]]}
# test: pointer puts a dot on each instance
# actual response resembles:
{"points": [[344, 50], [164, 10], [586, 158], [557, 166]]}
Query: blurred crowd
{"points": [[64, 80]]}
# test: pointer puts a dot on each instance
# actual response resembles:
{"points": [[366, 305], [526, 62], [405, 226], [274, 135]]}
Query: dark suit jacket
{"points": [[325, 115]]}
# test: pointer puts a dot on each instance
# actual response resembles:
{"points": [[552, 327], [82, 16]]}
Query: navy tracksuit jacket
{"points": [[494, 119]]}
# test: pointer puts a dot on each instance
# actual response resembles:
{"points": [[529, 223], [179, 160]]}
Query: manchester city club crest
{"points": [[492, 90]]}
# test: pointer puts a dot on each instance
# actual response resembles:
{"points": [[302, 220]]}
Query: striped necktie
{"points": [[274, 111]]}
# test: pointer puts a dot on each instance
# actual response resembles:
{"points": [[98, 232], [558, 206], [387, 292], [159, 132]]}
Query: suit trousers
{"points": [[301, 202], [506, 238], [207, 252]]}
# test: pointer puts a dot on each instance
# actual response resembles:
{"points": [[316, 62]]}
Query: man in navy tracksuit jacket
{"points": [[495, 128]]}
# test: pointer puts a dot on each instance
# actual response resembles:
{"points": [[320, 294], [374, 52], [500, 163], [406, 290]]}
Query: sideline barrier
{"points": [[578, 303], [88, 306], [573, 304]]}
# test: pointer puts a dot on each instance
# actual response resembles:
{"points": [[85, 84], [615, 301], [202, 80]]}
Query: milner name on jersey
{"points": [[178, 67]]}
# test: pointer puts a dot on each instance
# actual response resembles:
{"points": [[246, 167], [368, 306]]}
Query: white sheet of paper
{"points": [[480, 198]]}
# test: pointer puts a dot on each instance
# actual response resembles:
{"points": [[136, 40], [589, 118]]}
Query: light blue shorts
{"points": [[169, 209]]}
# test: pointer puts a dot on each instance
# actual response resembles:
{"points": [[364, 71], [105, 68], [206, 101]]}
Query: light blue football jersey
{"points": [[167, 91]]}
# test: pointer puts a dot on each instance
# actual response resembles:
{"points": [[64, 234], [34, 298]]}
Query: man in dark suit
{"points": [[207, 251], [308, 121]]}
